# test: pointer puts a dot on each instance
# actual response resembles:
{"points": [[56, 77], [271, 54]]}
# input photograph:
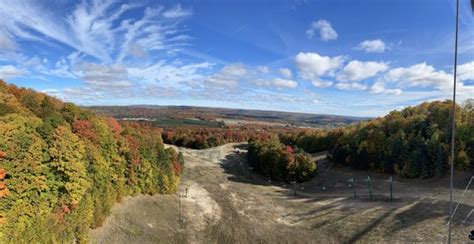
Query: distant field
{"points": [[168, 122], [252, 122], [204, 116]]}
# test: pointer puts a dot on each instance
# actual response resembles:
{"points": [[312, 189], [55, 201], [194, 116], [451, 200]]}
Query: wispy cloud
{"points": [[276, 83], [326, 31], [9, 72], [114, 51], [379, 88], [95, 27], [7, 42], [372, 46], [177, 12], [228, 76], [285, 72]]}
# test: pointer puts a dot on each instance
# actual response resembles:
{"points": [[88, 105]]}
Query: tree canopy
{"points": [[63, 167], [412, 143]]}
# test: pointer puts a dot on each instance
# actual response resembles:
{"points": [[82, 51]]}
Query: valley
{"points": [[222, 201]]}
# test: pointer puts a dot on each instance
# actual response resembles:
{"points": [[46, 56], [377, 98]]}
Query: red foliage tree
{"points": [[176, 167], [84, 129], [114, 125]]}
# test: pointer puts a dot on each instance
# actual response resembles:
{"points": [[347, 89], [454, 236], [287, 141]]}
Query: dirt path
{"points": [[223, 202]]}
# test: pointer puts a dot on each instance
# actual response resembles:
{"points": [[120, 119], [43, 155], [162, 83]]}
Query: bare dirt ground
{"points": [[221, 201]]}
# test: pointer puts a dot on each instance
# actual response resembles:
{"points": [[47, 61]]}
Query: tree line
{"points": [[412, 143], [201, 137], [62, 167]]}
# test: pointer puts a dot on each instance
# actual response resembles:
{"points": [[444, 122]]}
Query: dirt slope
{"points": [[223, 202]]}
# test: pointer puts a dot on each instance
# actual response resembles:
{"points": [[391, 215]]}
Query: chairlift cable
{"points": [[462, 196]]}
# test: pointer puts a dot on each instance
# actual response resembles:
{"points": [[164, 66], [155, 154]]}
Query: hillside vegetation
{"points": [[202, 137], [273, 159], [412, 143], [62, 167]]}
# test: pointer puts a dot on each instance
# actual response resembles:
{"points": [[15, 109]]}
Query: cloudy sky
{"points": [[360, 58]]}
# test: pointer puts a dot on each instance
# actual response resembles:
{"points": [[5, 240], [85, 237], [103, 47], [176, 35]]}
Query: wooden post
{"points": [[370, 187], [353, 188], [391, 188]]}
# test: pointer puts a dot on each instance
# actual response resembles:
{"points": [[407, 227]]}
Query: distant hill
{"points": [[207, 113]]}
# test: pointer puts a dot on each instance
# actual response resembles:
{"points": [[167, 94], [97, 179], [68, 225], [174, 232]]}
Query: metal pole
{"points": [[453, 124], [391, 189], [294, 188], [370, 187], [353, 188]]}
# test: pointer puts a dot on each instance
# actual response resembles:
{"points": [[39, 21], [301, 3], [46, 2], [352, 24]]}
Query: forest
{"points": [[202, 137], [273, 159], [62, 167], [412, 143]]}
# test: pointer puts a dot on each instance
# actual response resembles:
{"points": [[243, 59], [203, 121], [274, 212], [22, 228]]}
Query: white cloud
{"points": [[426, 76], [263, 69], [53, 92], [357, 70], [285, 72], [177, 12], [148, 34], [93, 27], [9, 72], [6, 41], [169, 75], [351, 86], [379, 88], [277, 83], [104, 76], [372, 46], [321, 83], [311, 66], [326, 31], [284, 83], [419, 75], [464, 92], [229, 76], [466, 71], [235, 70]]}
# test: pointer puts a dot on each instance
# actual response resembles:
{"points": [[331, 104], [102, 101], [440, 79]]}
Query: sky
{"points": [[344, 57]]}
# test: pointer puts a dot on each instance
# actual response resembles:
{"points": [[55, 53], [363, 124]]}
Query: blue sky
{"points": [[359, 58]]}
